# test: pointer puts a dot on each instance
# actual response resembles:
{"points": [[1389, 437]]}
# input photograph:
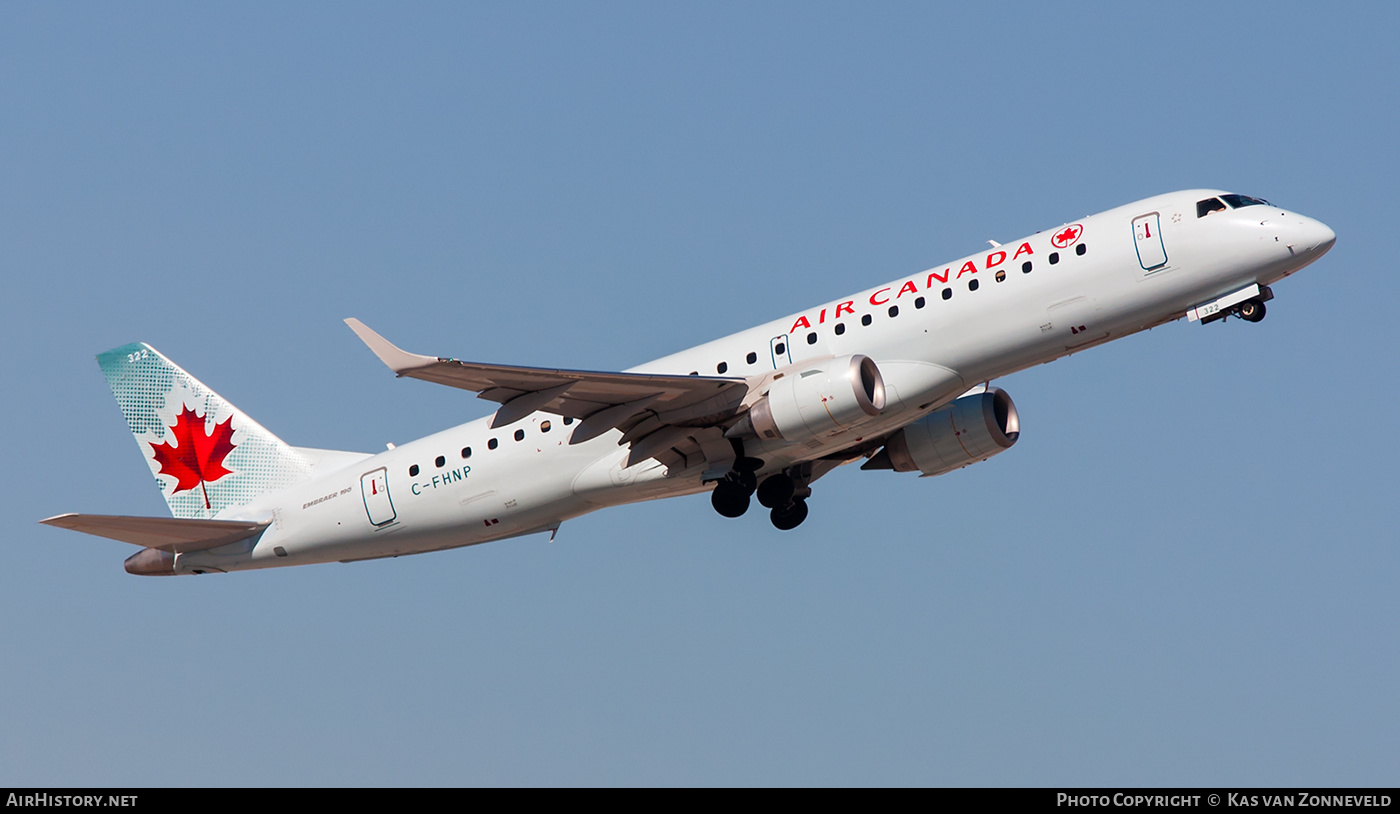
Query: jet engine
{"points": [[971, 429], [815, 404]]}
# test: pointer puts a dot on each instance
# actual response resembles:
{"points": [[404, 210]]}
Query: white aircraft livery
{"points": [[898, 376]]}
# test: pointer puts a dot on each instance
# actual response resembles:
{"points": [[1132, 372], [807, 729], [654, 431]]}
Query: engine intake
{"points": [[971, 429], [816, 404]]}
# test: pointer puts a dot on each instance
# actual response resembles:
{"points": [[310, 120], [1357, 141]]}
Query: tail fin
{"points": [[206, 454]]}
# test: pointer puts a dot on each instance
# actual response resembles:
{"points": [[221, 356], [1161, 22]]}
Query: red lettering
{"points": [[822, 317], [800, 323], [910, 287], [967, 268], [876, 294], [1000, 258], [847, 306], [1024, 248], [933, 275]]}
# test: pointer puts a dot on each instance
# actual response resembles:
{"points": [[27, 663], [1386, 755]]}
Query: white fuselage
{"points": [[933, 334]]}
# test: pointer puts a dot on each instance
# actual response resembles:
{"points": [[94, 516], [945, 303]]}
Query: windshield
{"points": [[1208, 206], [1237, 201]]}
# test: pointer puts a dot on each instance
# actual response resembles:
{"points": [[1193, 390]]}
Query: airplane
{"points": [[898, 376]]}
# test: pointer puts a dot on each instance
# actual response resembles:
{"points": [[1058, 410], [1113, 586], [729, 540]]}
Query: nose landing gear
{"points": [[1251, 310]]}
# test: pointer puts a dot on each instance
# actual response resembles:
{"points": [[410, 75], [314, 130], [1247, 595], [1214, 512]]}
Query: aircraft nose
{"points": [[1323, 237], [1311, 236]]}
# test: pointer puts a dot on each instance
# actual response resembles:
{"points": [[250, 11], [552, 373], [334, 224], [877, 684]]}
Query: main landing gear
{"points": [[784, 493], [731, 495]]}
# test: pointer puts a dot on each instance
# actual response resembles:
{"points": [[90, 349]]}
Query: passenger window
{"points": [[947, 293], [1001, 276], [1208, 206], [466, 452], [972, 284], [492, 444], [919, 302], [721, 367], [1081, 249], [568, 421], [413, 471], [780, 348], [751, 358], [1054, 258], [865, 320], [840, 328], [544, 426], [1026, 267], [894, 310], [441, 461], [520, 435], [812, 338]]}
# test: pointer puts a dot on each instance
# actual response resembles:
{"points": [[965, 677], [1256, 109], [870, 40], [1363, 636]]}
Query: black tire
{"points": [[776, 490], [1252, 310], [730, 499], [789, 517]]}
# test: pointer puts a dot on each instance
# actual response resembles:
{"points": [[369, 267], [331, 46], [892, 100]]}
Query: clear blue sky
{"points": [[1184, 573]]}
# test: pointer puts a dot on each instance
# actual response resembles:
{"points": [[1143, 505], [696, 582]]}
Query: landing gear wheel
{"points": [[776, 490], [787, 518], [730, 498], [1251, 310]]}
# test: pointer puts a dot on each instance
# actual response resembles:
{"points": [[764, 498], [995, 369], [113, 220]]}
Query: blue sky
{"points": [[1184, 573]]}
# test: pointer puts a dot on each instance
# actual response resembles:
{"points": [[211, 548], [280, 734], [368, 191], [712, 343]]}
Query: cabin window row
{"points": [[919, 302], [492, 443]]}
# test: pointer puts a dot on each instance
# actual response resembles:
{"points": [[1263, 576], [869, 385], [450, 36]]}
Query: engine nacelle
{"points": [[815, 404], [971, 429]]}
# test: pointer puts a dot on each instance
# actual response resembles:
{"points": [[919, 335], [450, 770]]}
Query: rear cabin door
{"points": [[374, 485]]}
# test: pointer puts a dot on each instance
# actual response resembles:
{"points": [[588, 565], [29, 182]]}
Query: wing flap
{"points": [[173, 534]]}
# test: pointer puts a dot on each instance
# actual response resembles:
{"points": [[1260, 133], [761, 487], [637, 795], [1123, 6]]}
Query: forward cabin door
{"points": [[1147, 236]]}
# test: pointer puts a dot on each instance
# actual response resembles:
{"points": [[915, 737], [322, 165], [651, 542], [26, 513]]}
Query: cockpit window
{"points": [[1237, 201], [1208, 206]]}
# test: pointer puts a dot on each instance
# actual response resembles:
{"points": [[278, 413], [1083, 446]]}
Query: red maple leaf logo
{"points": [[196, 458], [1068, 236]]}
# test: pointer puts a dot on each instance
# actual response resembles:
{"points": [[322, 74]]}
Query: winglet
{"points": [[400, 361]]}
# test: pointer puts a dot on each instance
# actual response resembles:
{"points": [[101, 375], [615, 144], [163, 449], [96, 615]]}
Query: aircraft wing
{"points": [[646, 407], [173, 534]]}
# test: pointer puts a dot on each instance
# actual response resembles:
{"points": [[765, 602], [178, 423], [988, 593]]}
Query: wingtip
{"points": [[397, 359]]}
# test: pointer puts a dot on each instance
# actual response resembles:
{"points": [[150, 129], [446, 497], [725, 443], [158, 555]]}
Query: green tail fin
{"points": [[206, 454]]}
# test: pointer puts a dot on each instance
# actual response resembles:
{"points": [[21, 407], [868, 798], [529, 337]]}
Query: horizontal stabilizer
{"points": [[173, 534]]}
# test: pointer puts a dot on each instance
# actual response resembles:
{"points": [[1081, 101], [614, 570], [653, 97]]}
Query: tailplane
{"points": [[206, 455]]}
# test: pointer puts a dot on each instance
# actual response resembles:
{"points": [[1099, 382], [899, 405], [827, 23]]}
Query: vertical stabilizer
{"points": [[206, 454]]}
